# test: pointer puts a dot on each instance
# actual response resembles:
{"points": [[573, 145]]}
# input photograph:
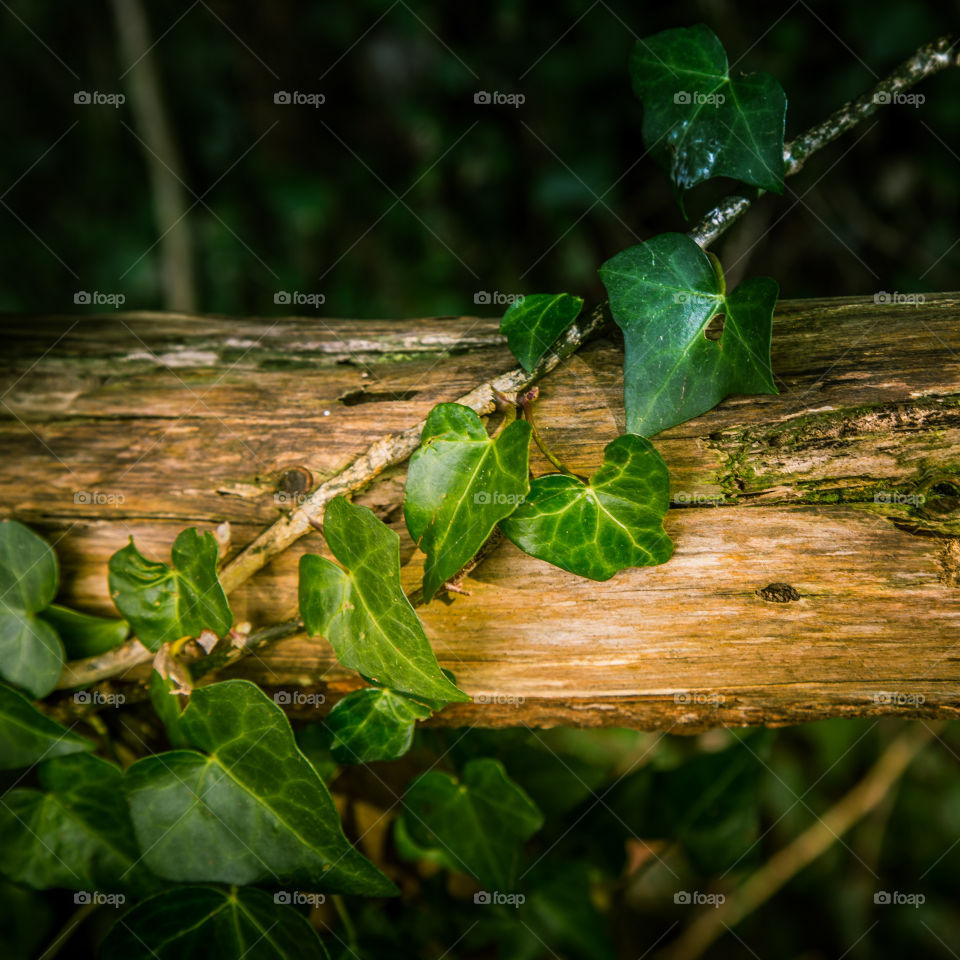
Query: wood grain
{"points": [[844, 487]]}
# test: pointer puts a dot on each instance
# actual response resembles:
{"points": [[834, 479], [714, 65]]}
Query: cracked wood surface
{"points": [[817, 557]]}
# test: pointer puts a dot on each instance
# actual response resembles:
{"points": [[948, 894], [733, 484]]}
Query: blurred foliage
{"points": [[402, 197]]}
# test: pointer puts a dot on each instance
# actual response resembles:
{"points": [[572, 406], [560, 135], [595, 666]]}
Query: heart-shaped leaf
{"points": [[84, 635], [28, 736], [459, 485], [361, 609], [501, 818], [250, 809], [187, 923], [533, 324], [663, 295], [31, 654], [698, 121], [373, 724], [75, 832], [598, 528], [165, 603]]}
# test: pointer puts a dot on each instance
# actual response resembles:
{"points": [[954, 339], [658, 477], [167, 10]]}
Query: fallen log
{"points": [[817, 532]]}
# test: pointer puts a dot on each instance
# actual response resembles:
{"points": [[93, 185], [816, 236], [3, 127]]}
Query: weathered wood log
{"points": [[817, 532]]}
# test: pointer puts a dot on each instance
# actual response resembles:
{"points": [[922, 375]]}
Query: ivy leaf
{"points": [[31, 654], [459, 485], [75, 832], [663, 294], [165, 603], [249, 809], [698, 121], [361, 609], [204, 921], [84, 635], [501, 817], [533, 324], [373, 724], [598, 528], [28, 736], [166, 702]]}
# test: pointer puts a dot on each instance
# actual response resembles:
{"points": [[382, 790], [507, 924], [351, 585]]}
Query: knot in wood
{"points": [[778, 593]]}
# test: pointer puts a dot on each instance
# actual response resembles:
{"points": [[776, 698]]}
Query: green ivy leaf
{"points": [[167, 705], [598, 528], [501, 818], [75, 832], [203, 921], [663, 294], [533, 324], [165, 603], [698, 122], [373, 724], [84, 635], [31, 654], [361, 609], [459, 485], [249, 809], [28, 736]]}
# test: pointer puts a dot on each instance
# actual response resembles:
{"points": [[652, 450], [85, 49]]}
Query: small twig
{"points": [[66, 932], [395, 448], [711, 924], [526, 405]]}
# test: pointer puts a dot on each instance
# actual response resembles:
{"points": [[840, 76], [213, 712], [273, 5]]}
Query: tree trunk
{"points": [[817, 558]]}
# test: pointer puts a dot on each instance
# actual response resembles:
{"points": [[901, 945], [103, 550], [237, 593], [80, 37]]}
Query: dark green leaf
{"points": [[31, 654], [361, 609], [533, 324], [698, 122], [663, 294], [459, 485], [480, 822], [373, 724], [84, 635], [165, 603], [28, 736], [201, 922], [28, 569], [314, 744], [167, 704], [75, 832], [251, 809], [596, 529], [708, 804]]}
